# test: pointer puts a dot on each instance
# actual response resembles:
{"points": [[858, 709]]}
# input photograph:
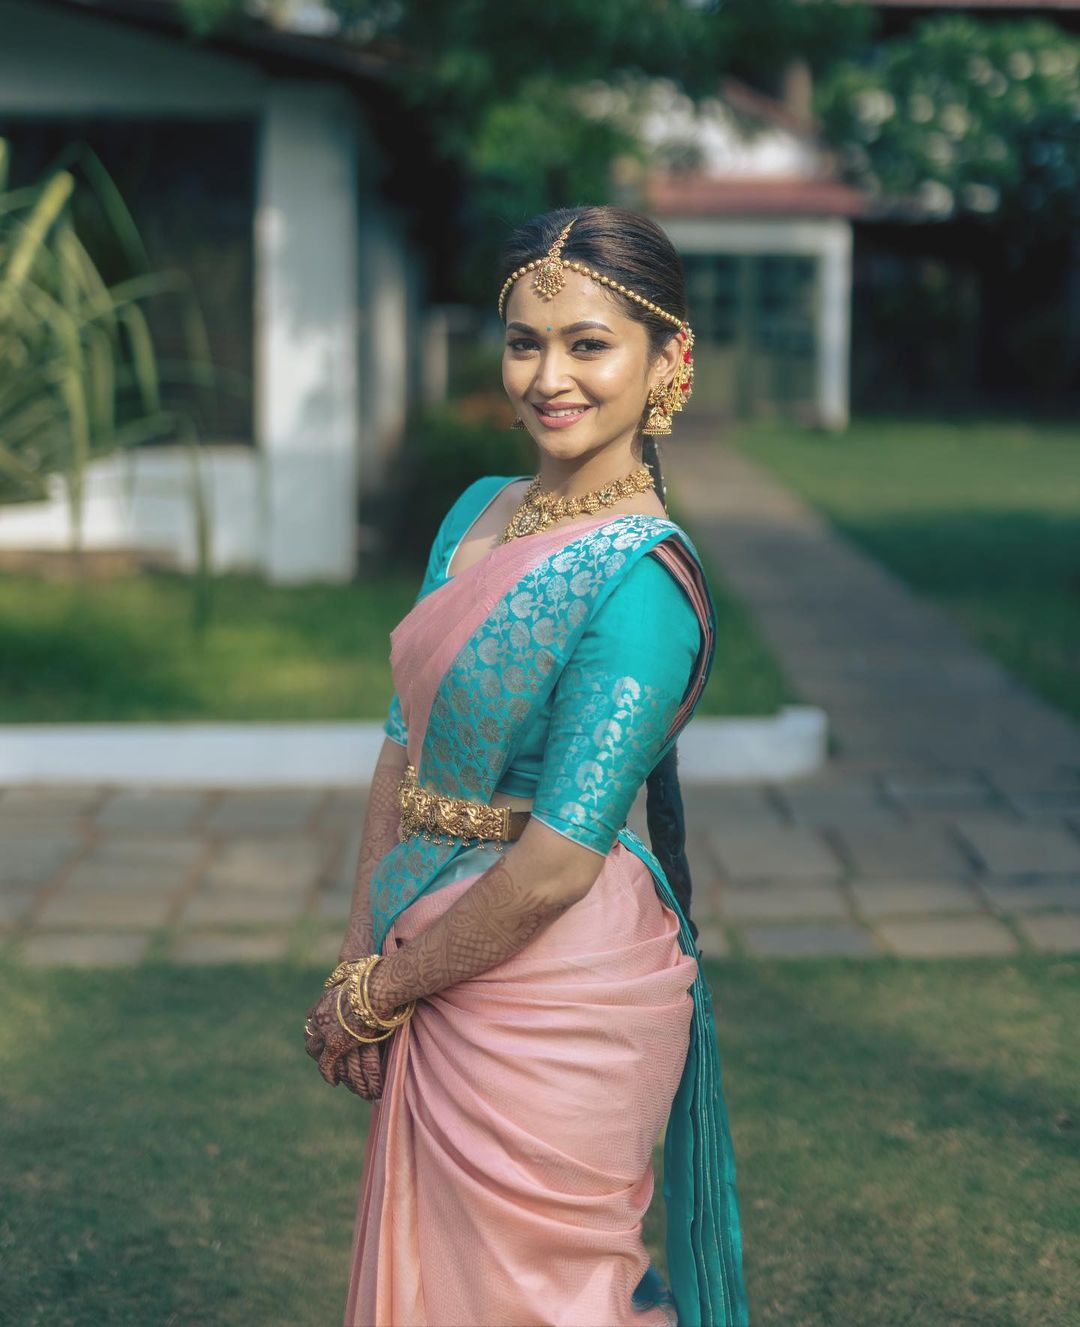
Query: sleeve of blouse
{"points": [[614, 704], [453, 525]]}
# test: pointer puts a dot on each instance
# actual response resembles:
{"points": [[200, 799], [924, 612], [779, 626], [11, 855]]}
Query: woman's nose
{"points": [[552, 373]]}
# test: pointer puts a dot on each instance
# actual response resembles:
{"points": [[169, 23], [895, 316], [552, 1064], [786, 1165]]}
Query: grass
{"points": [[981, 516], [905, 1137], [121, 650]]}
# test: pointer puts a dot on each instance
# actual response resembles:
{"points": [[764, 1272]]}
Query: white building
{"points": [[319, 290], [752, 202]]}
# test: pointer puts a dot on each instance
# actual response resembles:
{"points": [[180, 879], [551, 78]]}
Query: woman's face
{"points": [[576, 369]]}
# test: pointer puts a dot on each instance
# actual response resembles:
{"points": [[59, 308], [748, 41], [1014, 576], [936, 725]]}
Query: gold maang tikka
{"points": [[549, 279]]}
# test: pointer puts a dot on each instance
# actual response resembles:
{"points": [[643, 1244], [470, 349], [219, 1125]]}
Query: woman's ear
{"points": [[666, 362]]}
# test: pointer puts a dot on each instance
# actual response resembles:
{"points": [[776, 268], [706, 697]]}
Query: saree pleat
{"points": [[510, 1159]]}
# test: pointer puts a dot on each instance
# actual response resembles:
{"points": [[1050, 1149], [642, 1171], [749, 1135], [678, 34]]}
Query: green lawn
{"points": [[121, 649], [981, 516], [905, 1135]]}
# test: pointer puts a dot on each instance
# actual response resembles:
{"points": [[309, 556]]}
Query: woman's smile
{"points": [[559, 416]]}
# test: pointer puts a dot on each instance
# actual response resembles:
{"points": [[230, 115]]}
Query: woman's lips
{"points": [[560, 417]]}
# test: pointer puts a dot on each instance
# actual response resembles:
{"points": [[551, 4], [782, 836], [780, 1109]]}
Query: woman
{"points": [[533, 973]]}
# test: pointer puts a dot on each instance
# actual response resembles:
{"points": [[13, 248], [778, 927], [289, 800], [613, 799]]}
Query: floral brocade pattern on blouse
{"points": [[528, 643]]}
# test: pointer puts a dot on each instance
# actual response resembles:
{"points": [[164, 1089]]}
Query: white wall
{"points": [[306, 363], [289, 508]]}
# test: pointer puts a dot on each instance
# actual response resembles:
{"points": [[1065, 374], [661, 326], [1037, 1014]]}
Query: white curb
{"points": [[265, 755]]}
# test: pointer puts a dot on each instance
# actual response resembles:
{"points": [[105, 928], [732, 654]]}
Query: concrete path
{"points": [[947, 824]]}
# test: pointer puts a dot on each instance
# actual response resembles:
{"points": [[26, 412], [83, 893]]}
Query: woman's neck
{"points": [[572, 478]]}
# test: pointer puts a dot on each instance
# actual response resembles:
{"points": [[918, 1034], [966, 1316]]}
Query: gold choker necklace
{"points": [[538, 510]]}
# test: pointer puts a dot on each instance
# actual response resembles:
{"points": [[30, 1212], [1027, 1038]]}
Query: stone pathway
{"points": [[948, 819], [946, 824], [842, 864]]}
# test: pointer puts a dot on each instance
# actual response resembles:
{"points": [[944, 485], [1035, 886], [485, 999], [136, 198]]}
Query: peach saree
{"points": [[509, 1160]]}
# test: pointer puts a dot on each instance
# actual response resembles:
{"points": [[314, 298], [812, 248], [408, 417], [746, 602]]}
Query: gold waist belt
{"points": [[435, 817]]}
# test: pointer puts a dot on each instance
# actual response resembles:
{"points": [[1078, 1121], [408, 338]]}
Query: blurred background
{"points": [[249, 353]]}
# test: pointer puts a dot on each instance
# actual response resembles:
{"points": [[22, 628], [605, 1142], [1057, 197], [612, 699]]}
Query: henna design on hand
{"points": [[382, 822], [493, 919]]}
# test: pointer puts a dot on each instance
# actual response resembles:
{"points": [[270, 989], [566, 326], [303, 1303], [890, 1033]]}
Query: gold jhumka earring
{"points": [[663, 401]]}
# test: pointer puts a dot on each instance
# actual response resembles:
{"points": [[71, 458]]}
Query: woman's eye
{"points": [[590, 346], [521, 343]]}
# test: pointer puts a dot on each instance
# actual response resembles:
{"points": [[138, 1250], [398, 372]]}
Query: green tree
{"points": [[966, 117], [504, 87]]}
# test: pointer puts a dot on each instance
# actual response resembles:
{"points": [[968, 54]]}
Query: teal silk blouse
{"points": [[598, 734]]}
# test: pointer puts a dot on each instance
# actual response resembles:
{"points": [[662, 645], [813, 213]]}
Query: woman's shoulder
{"points": [[475, 496]]}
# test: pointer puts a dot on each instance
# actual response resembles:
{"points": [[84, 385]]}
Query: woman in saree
{"points": [[519, 993]]}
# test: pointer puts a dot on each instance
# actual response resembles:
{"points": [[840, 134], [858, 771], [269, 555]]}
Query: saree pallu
{"points": [[509, 1159]]}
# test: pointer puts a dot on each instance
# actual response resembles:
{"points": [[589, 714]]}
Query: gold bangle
{"points": [[356, 1035], [403, 1013], [346, 966]]}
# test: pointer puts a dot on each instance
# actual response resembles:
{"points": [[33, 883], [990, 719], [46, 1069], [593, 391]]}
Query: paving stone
{"points": [[150, 810], [244, 907], [839, 804], [931, 791], [84, 949], [14, 905], [1010, 849], [273, 811], [1053, 933], [344, 809], [712, 941], [31, 861], [1018, 780], [1032, 893], [333, 904], [56, 802], [1046, 805], [156, 849], [344, 877], [791, 851], [278, 866], [325, 947], [947, 937], [930, 788], [768, 901], [124, 877], [910, 850], [15, 826], [223, 947], [97, 908], [892, 898], [808, 941], [718, 805]]}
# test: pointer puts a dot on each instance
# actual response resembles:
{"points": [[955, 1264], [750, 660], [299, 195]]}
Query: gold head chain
{"points": [[550, 279]]}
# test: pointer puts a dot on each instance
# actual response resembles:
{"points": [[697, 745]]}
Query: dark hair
{"points": [[619, 244], [634, 251]]}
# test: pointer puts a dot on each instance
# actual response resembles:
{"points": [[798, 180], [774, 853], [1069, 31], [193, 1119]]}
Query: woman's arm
{"points": [[381, 823], [543, 875]]}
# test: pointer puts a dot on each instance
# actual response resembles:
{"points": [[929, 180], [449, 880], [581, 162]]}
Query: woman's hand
{"points": [[341, 1059]]}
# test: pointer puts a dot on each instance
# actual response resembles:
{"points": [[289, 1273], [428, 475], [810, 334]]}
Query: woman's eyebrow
{"points": [[563, 331]]}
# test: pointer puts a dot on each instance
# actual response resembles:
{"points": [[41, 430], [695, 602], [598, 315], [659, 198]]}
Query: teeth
{"points": [[576, 410]]}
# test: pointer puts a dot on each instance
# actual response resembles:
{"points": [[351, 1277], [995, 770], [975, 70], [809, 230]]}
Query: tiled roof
{"points": [[696, 195]]}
